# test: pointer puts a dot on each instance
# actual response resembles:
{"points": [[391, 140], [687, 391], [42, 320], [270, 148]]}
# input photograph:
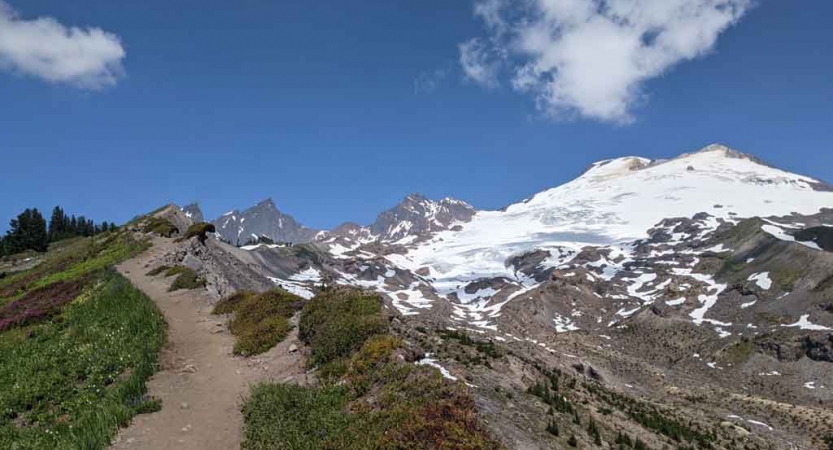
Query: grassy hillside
{"points": [[369, 396], [77, 343]]}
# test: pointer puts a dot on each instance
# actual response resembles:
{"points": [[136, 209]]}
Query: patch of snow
{"points": [[779, 233], [293, 288], [564, 324], [805, 324], [433, 363], [762, 280]]}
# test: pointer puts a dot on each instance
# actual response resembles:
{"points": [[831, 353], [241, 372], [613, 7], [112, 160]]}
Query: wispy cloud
{"points": [[44, 48], [591, 58], [428, 82], [480, 62]]}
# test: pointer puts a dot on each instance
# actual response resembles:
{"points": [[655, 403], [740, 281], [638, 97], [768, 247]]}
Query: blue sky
{"points": [[339, 109]]}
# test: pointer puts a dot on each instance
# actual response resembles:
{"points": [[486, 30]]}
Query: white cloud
{"points": [[591, 58], [87, 58], [479, 63]]}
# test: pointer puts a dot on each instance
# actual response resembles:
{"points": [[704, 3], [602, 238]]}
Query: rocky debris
{"points": [[529, 264], [819, 347]]}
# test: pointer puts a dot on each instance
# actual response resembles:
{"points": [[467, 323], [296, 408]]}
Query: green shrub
{"points": [[187, 279], [176, 270], [283, 416], [229, 304], [261, 321], [337, 322], [149, 406], [382, 403], [200, 230], [158, 270], [160, 226]]}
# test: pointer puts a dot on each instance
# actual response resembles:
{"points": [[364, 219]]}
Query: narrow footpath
{"points": [[201, 384]]}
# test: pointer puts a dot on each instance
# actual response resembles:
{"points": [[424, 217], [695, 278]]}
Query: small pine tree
{"points": [[572, 442], [593, 430], [552, 428]]}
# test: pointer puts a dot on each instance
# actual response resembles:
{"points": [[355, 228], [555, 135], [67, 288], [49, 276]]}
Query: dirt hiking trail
{"points": [[201, 384]]}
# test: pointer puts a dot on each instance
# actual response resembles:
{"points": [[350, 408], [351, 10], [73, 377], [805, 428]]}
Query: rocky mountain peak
{"points": [[262, 220], [193, 212], [418, 215]]}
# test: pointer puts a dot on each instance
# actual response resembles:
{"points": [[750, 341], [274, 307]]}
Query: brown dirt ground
{"points": [[201, 384]]}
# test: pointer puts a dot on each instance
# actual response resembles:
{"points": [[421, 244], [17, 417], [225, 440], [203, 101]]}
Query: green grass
{"points": [[282, 416], [260, 321], [378, 401], [186, 279], [71, 261], [71, 382]]}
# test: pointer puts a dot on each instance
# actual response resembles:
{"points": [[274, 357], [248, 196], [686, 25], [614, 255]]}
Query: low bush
{"points": [[200, 230], [158, 270], [160, 226], [39, 304], [229, 304], [186, 279], [337, 322], [282, 416], [379, 401], [260, 321]]}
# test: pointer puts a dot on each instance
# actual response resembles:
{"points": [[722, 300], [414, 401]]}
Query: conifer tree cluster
{"points": [[29, 230]]}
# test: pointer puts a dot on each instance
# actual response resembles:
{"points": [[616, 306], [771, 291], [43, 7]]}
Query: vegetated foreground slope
{"points": [[684, 303], [77, 343], [370, 395]]}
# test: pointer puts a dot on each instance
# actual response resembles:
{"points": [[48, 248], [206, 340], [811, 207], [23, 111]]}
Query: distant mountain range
{"points": [[415, 217]]}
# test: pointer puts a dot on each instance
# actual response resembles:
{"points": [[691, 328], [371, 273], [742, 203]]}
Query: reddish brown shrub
{"points": [[39, 304]]}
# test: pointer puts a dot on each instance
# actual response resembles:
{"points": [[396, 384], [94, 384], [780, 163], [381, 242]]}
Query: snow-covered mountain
{"points": [[413, 218], [597, 223], [261, 220], [617, 201]]}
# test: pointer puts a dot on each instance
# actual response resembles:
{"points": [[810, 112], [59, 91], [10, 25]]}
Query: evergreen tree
{"points": [[27, 232], [552, 428], [572, 442], [593, 430], [57, 225]]}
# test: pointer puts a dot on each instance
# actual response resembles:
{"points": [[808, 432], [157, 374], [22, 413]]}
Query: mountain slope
{"points": [[615, 201], [261, 220], [683, 302]]}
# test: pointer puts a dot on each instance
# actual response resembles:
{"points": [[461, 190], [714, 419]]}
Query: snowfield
{"points": [[611, 205]]}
